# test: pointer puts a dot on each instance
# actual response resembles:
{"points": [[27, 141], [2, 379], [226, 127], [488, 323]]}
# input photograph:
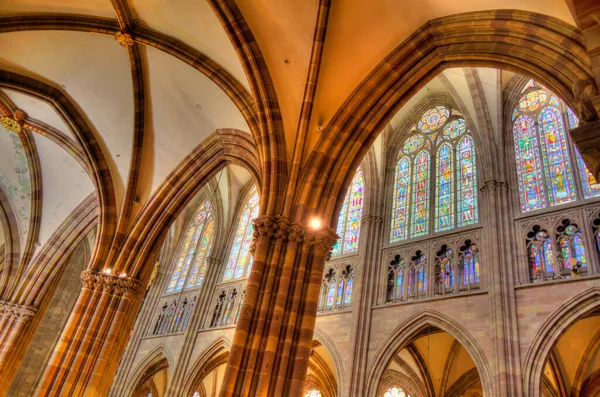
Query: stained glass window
{"points": [[446, 276], [467, 183], [444, 210], [559, 179], [433, 119], [349, 219], [313, 393], [442, 142], [348, 291], [195, 249], [544, 164], [471, 266], [401, 195], [420, 208], [541, 257], [528, 164], [572, 248], [330, 295], [395, 392], [340, 292], [240, 260]]}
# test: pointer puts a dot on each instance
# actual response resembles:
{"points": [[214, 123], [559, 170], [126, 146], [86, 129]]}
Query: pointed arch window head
{"points": [[543, 151], [348, 227], [435, 182], [193, 255], [240, 259], [313, 393], [395, 392]]}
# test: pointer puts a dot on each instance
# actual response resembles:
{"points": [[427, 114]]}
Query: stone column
{"points": [[272, 343], [13, 320], [96, 327], [497, 240], [365, 290], [140, 328]]}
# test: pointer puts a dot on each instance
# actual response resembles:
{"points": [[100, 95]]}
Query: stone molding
{"points": [[114, 285], [21, 312]]}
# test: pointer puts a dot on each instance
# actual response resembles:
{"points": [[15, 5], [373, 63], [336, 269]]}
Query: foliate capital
{"points": [[20, 312], [111, 284], [494, 187], [277, 227], [323, 241]]}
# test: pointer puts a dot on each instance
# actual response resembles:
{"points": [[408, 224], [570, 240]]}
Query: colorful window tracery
{"points": [[544, 164], [195, 249], [313, 393], [348, 227], [440, 141], [395, 392], [240, 260]]}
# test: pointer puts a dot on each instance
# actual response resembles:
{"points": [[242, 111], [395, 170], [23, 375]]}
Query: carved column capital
{"points": [[114, 285], [494, 187], [323, 241], [19, 312], [277, 227], [371, 219]]}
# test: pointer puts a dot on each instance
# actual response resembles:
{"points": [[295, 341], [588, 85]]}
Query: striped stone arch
{"points": [[402, 335], [535, 45]]}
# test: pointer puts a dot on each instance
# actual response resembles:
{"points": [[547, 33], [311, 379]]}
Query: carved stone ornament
{"points": [[11, 124], [278, 227], [21, 312], [108, 283], [124, 39], [493, 187], [587, 139], [584, 93], [323, 241]]}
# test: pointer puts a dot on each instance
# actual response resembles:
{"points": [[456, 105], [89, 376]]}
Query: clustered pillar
{"points": [[98, 323], [272, 343]]}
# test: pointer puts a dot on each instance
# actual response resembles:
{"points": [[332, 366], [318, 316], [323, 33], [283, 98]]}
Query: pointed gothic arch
{"points": [[157, 360], [214, 355], [550, 332], [415, 325]]}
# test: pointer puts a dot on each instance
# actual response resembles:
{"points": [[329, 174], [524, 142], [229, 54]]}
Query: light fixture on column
{"points": [[108, 271], [315, 223]]}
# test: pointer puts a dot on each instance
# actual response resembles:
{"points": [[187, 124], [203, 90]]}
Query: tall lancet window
{"points": [[194, 251], [548, 165], [240, 259], [348, 227], [437, 157]]}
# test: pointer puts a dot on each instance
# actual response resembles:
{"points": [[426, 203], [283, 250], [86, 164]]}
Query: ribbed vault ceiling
{"points": [[184, 106]]}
